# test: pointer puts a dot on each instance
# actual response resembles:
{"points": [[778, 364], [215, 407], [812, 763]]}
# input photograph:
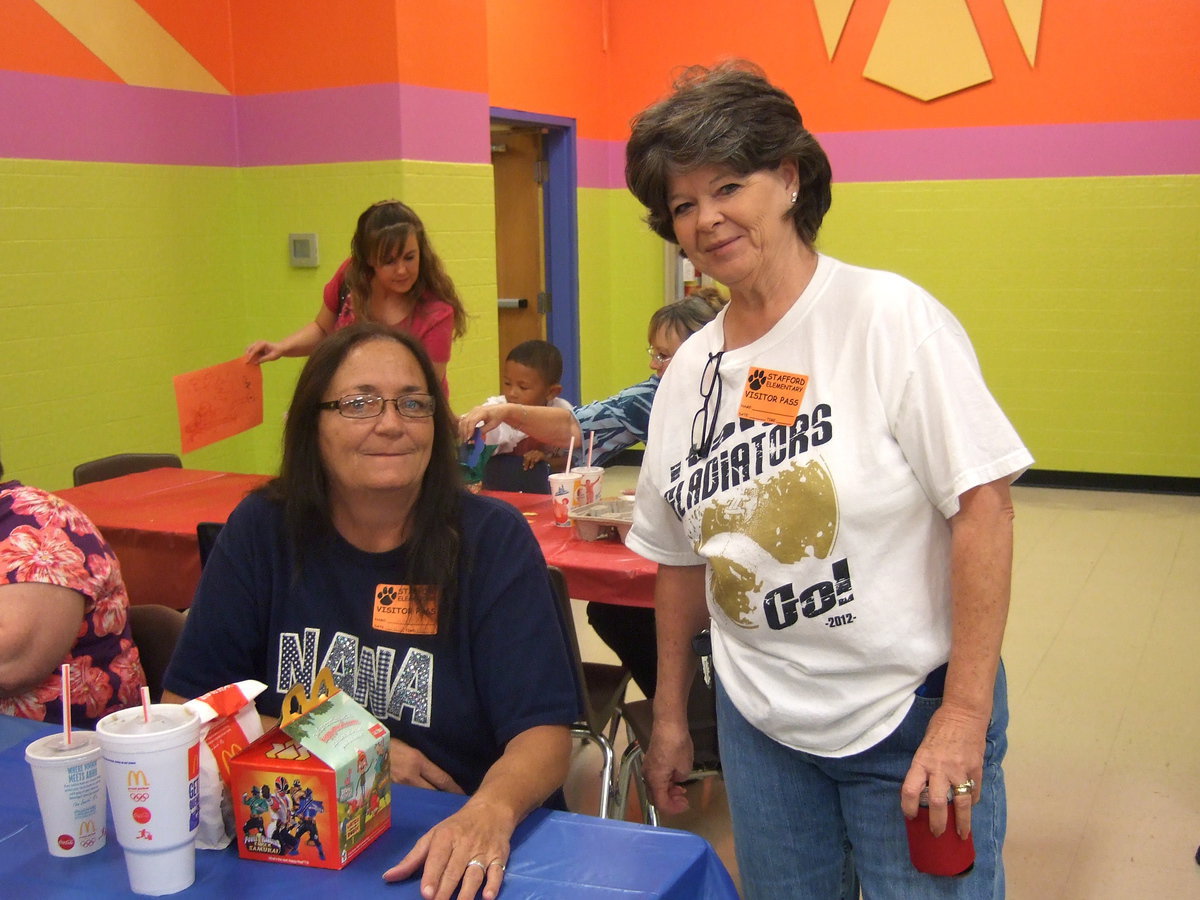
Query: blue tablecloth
{"points": [[554, 855]]}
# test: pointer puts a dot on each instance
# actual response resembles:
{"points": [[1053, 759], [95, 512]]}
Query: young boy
{"points": [[532, 372]]}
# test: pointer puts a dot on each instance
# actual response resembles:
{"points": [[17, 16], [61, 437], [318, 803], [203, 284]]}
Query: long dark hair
{"points": [[382, 231], [434, 544]]}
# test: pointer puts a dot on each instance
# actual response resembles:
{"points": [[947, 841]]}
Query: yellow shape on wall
{"points": [[832, 14], [927, 49], [131, 43], [1026, 16]]}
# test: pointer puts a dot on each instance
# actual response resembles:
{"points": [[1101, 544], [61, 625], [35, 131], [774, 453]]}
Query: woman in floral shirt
{"points": [[62, 600]]}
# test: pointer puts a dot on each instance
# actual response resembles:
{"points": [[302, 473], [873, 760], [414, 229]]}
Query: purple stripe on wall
{"points": [[369, 122], [601, 164], [49, 117], [948, 154], [1016, 151]]}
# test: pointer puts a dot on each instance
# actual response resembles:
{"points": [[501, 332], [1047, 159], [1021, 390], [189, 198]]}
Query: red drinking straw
{"points": [[65, 673], [146, 703]]}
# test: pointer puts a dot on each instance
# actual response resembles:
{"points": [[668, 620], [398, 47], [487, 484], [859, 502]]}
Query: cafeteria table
{"points": [[554, 854], [149, 519], [605, 571]]}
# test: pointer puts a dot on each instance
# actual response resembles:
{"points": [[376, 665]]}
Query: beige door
{"points": [[520, 268]]}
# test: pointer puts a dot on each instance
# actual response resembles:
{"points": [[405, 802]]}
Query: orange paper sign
{"points": [[218, 402]]}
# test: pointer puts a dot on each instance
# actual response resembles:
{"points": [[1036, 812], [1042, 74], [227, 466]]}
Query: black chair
{"points": [[123, 464], [639, 726], [155, 630], [507, 472], [602, 687], [206, 537]]}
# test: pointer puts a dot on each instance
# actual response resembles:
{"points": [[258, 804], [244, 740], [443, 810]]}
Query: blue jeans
{"points": [[816, 827]]}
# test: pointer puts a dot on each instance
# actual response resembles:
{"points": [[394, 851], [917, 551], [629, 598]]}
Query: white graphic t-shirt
{"points": [[826, 538]]}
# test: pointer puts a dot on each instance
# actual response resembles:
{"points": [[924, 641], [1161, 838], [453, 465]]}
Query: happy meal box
{"points": [[315, 790]]}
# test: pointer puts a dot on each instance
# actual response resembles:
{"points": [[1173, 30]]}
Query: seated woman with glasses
{"points": [[618, 422], [369, 511]]}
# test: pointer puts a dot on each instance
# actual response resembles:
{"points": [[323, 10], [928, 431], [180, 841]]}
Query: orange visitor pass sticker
{"points": [[396, 609], [772, 396]]}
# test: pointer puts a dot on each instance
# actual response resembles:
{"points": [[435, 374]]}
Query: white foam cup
{"points": [[69, 780], [153, 774], [591, 481], [564, 488]]}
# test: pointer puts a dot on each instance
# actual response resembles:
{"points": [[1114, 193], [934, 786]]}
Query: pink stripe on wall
{"points": [[49, 117], [949, 154], [379, 121], [601, 164], [1016, 151]]}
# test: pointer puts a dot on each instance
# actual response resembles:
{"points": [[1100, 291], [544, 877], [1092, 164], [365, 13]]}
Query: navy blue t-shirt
{"points": [[458, 695]]}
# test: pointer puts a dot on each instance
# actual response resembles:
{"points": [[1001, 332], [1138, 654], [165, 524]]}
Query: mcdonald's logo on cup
{"points": [[88, 835], [138, 785]]}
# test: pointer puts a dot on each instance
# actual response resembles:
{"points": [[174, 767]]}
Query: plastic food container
{"points": [[604, 519]]}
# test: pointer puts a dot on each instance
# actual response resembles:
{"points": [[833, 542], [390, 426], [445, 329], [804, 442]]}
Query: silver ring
{"points": [[476, 862], [965, 788], [496, 862]]}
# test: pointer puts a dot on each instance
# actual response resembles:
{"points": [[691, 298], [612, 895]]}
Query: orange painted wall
{"points": [[1094, 65], [31, 41], [548, 56], [202, 28], [281, 46]]}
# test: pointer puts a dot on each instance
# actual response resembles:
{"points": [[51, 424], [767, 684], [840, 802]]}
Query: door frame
{"points": [[560, 235]]}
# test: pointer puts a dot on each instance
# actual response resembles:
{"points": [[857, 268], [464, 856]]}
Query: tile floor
{"points": [[1103, 660]]}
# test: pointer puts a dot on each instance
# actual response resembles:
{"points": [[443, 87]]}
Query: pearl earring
{"points": [[795, 196]]}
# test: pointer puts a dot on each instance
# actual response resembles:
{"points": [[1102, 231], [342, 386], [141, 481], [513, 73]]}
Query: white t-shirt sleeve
{"points": [[950, 428]]}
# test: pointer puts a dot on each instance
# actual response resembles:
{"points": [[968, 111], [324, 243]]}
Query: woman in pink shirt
{"points": [[393, 277]]}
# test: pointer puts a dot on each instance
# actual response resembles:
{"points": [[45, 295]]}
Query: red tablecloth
{"points": [[149, 519], [605, 571]]}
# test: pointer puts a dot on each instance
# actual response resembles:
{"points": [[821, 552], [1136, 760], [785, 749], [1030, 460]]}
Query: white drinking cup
{"points": [[564, 488], [591, 482], [69, 780], [152, 769]]}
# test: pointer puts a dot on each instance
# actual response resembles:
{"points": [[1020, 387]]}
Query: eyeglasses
{"points": [[368, 406], [704, 424], [658, 359]]}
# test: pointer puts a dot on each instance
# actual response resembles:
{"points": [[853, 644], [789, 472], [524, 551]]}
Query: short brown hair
{"points": [[731, 116]]}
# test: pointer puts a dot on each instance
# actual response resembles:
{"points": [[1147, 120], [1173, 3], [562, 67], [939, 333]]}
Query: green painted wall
{"points": [[114, 277], [620, 287], [117, 277], [1079, 295]]}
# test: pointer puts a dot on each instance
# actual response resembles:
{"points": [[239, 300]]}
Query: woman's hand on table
{"points": [[410, 766], [470, 848]]}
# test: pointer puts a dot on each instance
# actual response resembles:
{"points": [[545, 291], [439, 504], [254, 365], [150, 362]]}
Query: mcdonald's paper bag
{"points": [[229, 723]]}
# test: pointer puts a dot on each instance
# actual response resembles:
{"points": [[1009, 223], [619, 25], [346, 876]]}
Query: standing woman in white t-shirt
{"points": [[827, 479]]}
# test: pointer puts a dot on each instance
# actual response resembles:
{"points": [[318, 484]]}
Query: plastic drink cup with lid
{"points": [[69, 780], [152, 769]]}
